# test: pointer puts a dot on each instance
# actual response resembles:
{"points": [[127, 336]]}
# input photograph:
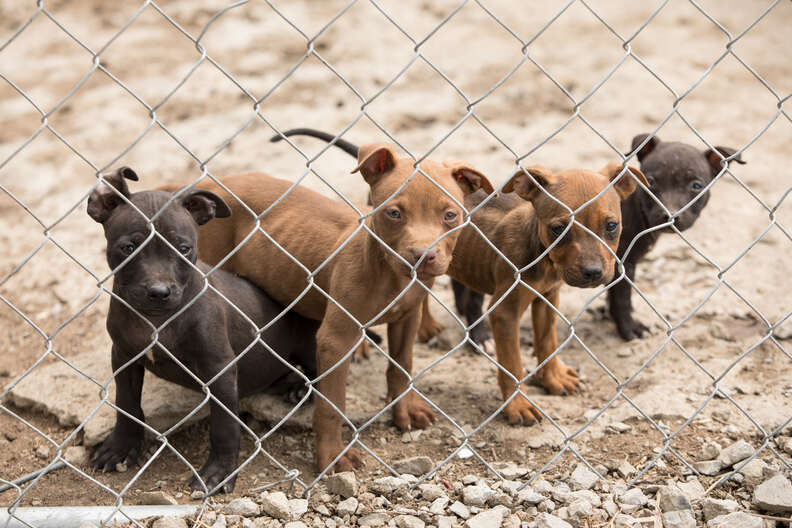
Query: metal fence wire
{"points": [[42, 12]]}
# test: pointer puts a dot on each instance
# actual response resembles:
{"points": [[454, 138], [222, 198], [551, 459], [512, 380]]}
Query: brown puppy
{"points": [[416, 222], [522, 225]]}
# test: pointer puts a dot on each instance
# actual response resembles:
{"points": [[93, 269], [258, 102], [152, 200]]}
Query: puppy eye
{"points": [[611, 227], [557, 229], [450, 216], [184, 250], [393, 213], [696, 186], [128, 249]]}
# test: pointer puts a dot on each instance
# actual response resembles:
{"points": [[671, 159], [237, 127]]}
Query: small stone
{"points": [[431, 492], [347, 506], [220, 522], [374, 519], [708, 467], [625, 469], [610, 507], [736, 452], [460, 510], [710, 450], [295, 524], [619, 427], [753, 471], [387, 485], [276, 505], [732, 431], [546, 506], [410, 436], [774, 495], [692, 488], [298, 508], [528, 496], [439, 505], [414, 466], [623, 521], [445, 522], [580, 508], [545, 520], [542, 486], [344, 484], [561, 493], [487, 519], [671, 498], [76, 455], [121, 467], [586, 495], [169, 522], [468, 480], [785, 444], [512, 471], [715, 507], [476, 495], [679, 519], [243, 507], [156, 498], [633, 497], [736, 520], [321, 509], [197, 495], [43, 452], [582, 478], [408, 521]]}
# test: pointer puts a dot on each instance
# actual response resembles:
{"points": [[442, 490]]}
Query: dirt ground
{"points": [[102, 126]]}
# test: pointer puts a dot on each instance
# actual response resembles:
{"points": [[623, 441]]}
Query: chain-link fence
{"points": [[714, 352]]}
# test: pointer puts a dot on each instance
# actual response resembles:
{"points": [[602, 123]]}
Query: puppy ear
{"points": [[716, 155], [627, 184], [374, 160], [104, 199], [469, 179], [646, 149], [204, 205], [525, 188]]}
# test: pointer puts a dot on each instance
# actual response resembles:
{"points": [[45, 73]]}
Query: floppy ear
{"points": [[646, 149], [469, 179], [714, 158], [205, 205], [103, 199], [626, 184], [521, 183], [374, 160]]}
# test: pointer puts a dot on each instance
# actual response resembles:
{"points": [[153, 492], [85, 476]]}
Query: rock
{"points": [[545, 520], [445, 522], [580, 508], [623, 521], [619, 427], [692, 489], [511, 471], [295, 524], [633, 497], [408, 521], [582, 478], [387, 485], [347, 506], [528, 496], [414, 466], [610, 507], [736, 452], [298, 507], [476, 495], [487, 519], [710, 450], [774, 495], [671, 498], [736, 520], [679, 519], [587, 495], [542, 486], [460, 510], [77, 456], [785, 444], [276, 505], [431, 492], [243, 507], [753, 471], [561, 492], [344, 484], [625, 469], [374, 520], [197, 495], [169, 522], [708, 467], [712, 508], [156, 498], [546, 506]]}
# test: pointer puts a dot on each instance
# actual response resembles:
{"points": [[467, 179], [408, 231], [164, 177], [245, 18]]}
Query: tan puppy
{"points": [[363, 278]]}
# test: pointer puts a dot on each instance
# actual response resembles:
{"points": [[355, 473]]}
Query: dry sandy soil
{"points": [[46, 184]]}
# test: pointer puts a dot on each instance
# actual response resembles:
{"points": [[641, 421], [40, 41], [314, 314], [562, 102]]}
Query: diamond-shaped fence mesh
{"points": [[187, 96]]}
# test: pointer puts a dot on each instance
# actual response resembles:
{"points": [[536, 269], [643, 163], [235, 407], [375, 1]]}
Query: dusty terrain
{"points": [[102, 126]]}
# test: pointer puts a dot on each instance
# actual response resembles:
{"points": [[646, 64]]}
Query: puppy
{"points": [[149, 317]]}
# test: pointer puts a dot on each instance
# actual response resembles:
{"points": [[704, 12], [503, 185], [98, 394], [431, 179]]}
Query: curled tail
{"points": [[344, 145]]}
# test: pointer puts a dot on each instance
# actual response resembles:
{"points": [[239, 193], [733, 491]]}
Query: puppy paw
{"points": [[118, 448], [480, 334], [559, 378], [412, 412], [361, 353], [429, 329], [350, 460], [213, 473], [519, 411], [631, 329]]}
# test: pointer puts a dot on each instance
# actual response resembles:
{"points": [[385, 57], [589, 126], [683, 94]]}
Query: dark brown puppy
{"points": [[157, 281], [678, 174], [369, 282], [522, 224]]}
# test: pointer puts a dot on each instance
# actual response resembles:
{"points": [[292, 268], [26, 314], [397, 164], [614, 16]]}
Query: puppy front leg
{"points": [[123, 443], [620, 306], [505, 322], [469, 303], [555, 376], [336, 336], [410, 411]]}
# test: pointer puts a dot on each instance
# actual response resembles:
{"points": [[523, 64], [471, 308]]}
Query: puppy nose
{"points": [[431, 255], [591, 273], [158, 292]]}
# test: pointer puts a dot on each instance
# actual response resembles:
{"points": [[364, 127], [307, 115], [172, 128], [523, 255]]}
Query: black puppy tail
{"points": [[344, 145]]}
